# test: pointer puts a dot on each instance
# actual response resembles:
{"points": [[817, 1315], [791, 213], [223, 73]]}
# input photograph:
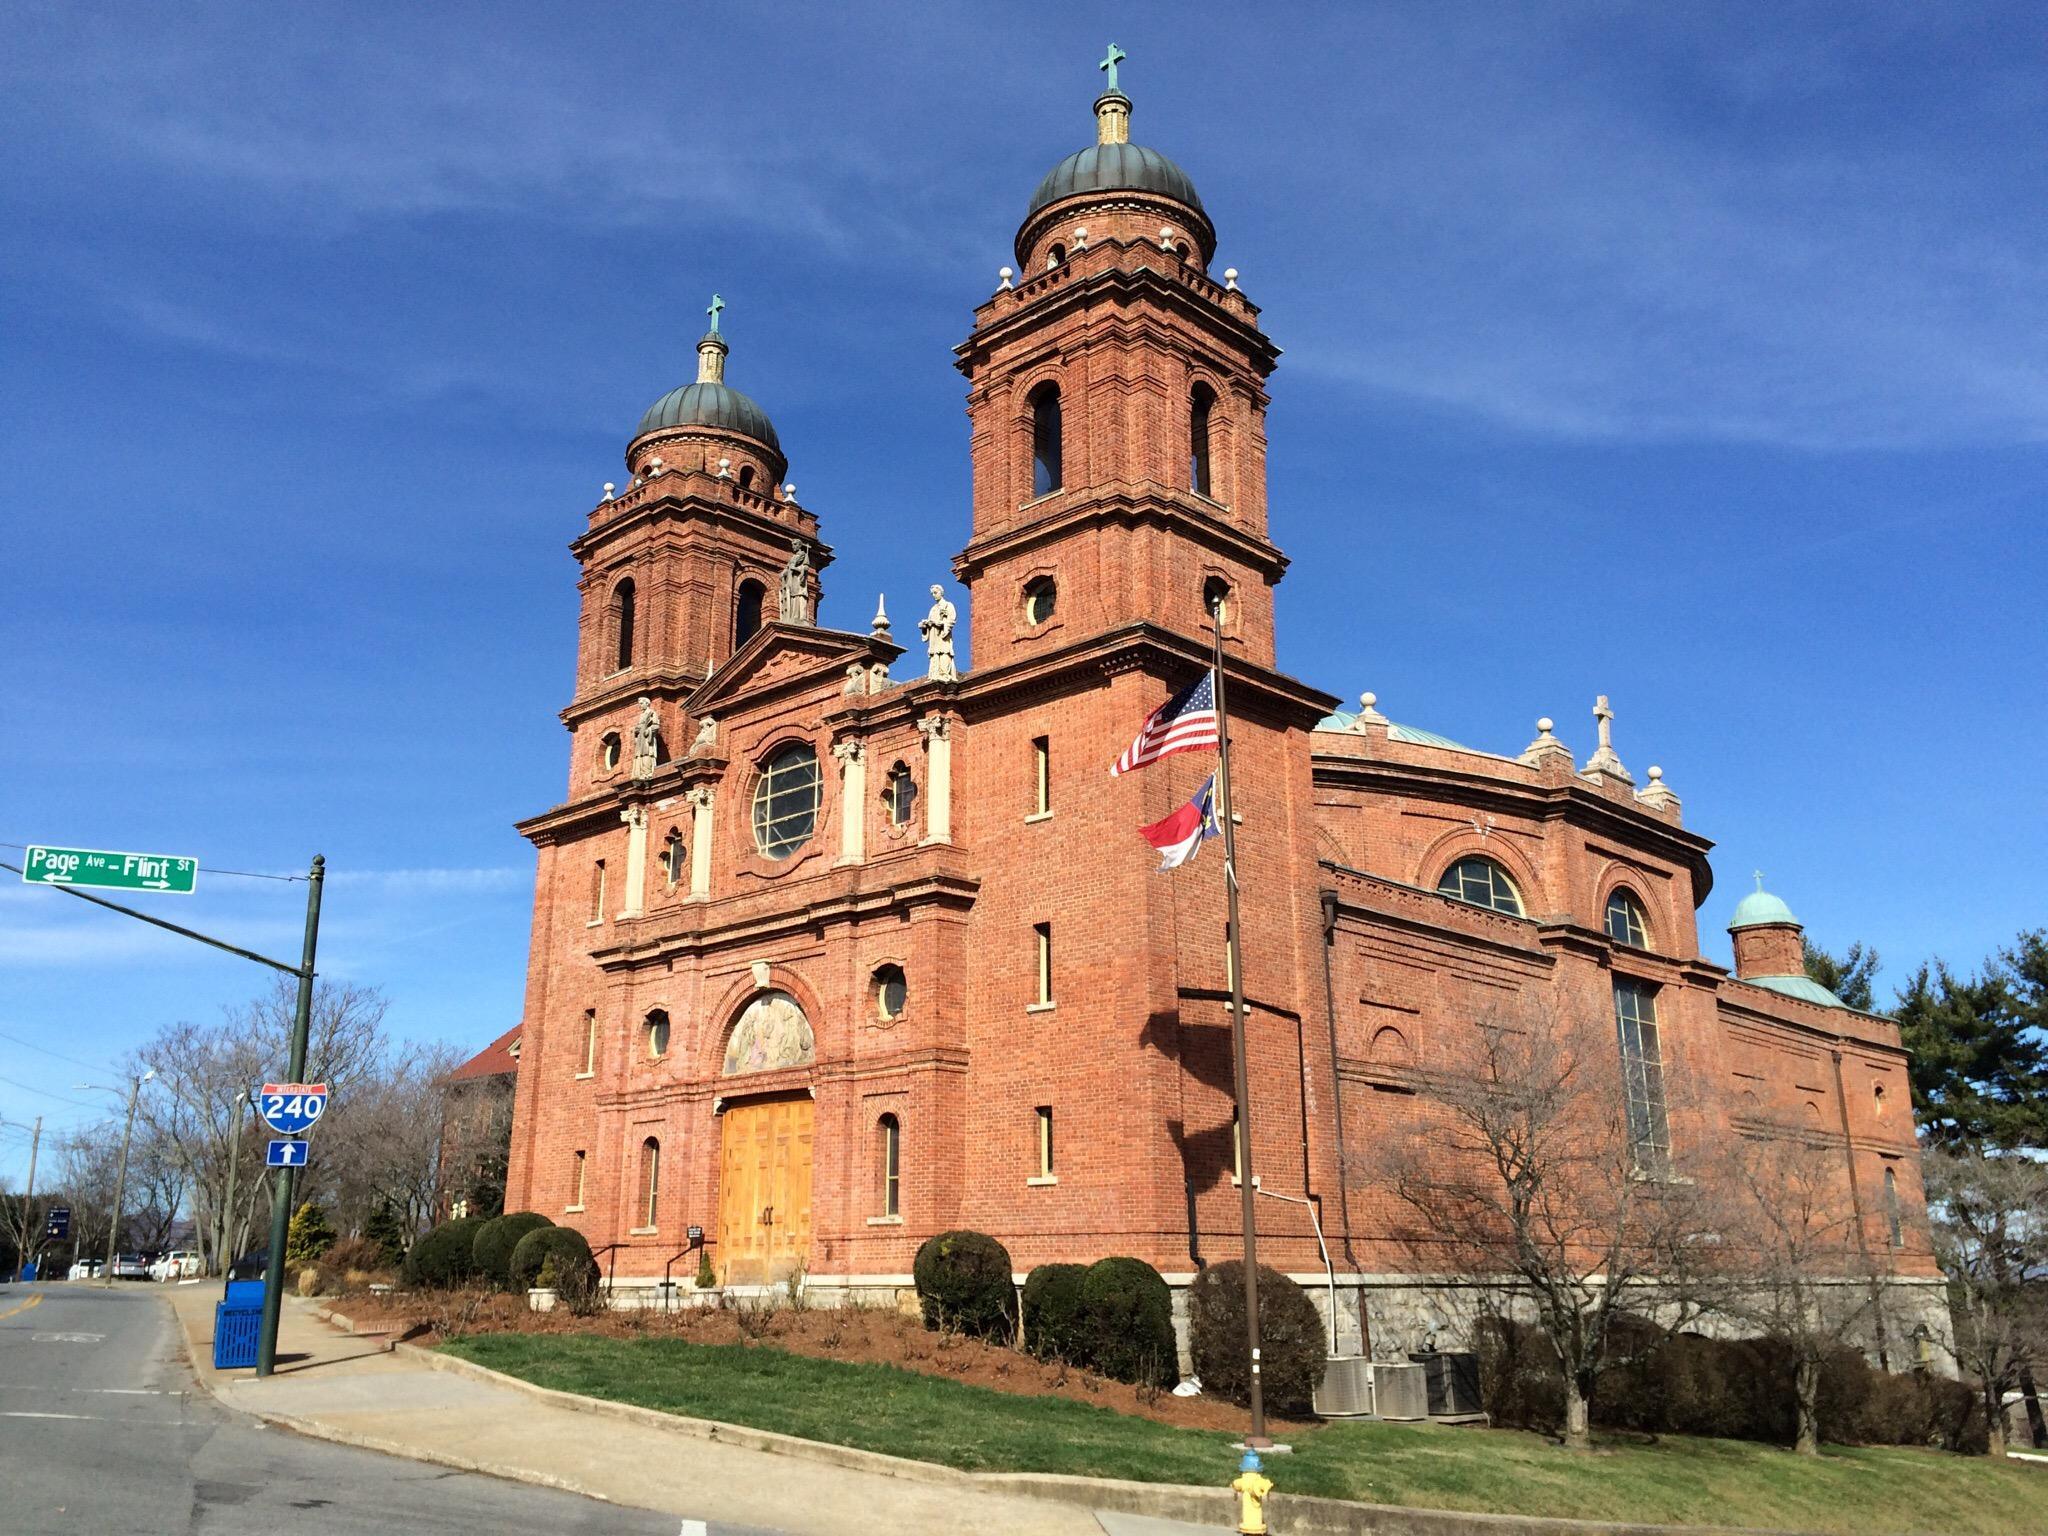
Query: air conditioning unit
{"points": [[1453, 1377], [1346, 1392], [1400, 1391]]}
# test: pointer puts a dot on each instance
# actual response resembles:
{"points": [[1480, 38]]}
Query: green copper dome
{"points": [[1759, 908], [1115, 168], [710, 405]]}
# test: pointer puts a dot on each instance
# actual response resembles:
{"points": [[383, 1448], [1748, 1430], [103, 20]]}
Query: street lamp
{"points": [[121, 1170]]}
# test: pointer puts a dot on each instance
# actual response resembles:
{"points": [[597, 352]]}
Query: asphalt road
{"points": [[103, 1430]]}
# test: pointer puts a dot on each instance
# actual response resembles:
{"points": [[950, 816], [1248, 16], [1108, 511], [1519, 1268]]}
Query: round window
{"points": [[657, 1033], [786, 800], [608, 751], [1039, 598], [891, 991]]}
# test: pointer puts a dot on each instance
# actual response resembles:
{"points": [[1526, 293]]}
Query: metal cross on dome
{"points": [[716, 305], [1114, 57]]}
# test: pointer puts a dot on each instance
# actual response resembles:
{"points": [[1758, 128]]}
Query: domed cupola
{"points": [[1131, 186], [710, 410]]}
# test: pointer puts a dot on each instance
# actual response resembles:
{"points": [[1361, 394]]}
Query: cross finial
{"points": [[716, 305], [1759, 878], [1604, 713], [1110, 60]]}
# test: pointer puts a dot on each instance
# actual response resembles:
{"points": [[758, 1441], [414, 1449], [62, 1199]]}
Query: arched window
{"points": [[899, 795], [889, 1158], [1642, 1066], [1891, 1209], [746, 621], [1041, 598], [1626, 921], [1483, 883], [673, 852], [746, 477], [650, 1181], [1200, 403], [891, 991], [608, 750], [786, 800], [622, 625], [1055, 256], [1216, 599], [657, 1033], [1046, 447]]}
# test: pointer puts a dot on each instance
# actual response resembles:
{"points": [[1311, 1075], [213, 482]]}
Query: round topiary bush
{"points": [[963, 1281], [565, 1245], [1127, 1310], [446, 1255], [1293, 1340], [1053, 1326], [496, 1239]]}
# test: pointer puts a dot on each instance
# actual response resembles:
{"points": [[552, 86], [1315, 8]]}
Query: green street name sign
{"points": [[111, 871]]}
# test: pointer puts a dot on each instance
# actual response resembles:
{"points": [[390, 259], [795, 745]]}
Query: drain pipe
{"points": [[1329, 901], [1329, 1271]]}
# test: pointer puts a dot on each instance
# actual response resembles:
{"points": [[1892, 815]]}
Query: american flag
{"points": [[1184, 723]]}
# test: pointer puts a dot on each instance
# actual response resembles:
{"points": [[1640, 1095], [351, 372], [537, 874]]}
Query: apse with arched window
{"points": [[1048, 451], [1482, 883], [746, 614], [650, 1182], [622, 625], [889, 1163], [1201, 407]]}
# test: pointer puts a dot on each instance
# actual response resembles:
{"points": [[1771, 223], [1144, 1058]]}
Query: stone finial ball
{"points": [[1656, 773], [1368, 699], [1230, 274], [1545, 725], [609, 487]]}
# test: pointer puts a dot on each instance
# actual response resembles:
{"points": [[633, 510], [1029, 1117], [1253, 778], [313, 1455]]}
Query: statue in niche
{"points": [[772, 1034], [794, 599], [646, 741], [937, 629]]}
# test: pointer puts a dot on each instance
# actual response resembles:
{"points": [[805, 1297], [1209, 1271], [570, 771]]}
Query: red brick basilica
{"points": [[825, 961]]}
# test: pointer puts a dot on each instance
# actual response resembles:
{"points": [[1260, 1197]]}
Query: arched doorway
{"points": [[764, 1162]]}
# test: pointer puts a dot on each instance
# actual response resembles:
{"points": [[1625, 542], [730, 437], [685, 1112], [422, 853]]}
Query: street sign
{"points": [[58, 1226], [286, 1154], [165, 872], [291, 1108]]}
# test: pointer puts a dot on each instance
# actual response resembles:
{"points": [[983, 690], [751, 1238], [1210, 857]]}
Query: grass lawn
{"points": [[1856, 1492]]}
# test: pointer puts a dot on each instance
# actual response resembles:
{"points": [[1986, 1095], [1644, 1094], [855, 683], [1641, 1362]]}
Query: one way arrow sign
{"points": [[286, 1154]]}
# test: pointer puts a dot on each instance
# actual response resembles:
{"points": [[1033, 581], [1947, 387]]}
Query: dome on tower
{"points": [[1115, 168], [1759, 908], [710, 405]]}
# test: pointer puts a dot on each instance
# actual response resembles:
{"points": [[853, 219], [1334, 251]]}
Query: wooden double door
{"points": [[764, 1190]]}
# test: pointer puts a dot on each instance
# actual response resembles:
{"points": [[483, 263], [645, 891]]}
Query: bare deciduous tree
{"points": [[1990, 1220], [1529, 1165]]}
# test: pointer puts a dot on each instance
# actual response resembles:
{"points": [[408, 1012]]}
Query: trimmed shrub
{"points": [[1053, 1325], [446, 1255], [496, 1239], [309, 1235], [963, 1282], [1293, 1344], [1128, 1312], [562, 1245]]}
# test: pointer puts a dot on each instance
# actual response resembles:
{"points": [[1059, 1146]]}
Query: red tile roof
{"points": [[498, 1059]]}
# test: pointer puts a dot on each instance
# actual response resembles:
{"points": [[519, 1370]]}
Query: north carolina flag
{"points": [[1182, 834]]}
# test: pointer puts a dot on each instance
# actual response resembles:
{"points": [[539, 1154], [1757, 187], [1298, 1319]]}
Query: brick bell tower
{"points": [[1118, 405]]}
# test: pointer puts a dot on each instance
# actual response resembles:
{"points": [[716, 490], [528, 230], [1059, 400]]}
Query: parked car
{"points": [[178, 1264], [130, 1266], [250, 1266], [88, 1269]]}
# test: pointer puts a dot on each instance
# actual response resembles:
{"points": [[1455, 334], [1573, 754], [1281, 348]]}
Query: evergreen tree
{"points": [[1849, 977], [1979, 1055], [386, 1229], [309, 1236]]}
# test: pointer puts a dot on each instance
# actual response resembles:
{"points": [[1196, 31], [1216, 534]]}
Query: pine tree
{"points": [[309, 1236], [387, 1230], [1849, 977], [1979, 1059]]}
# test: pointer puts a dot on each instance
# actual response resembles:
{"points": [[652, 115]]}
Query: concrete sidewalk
{"points": [[360, 1391]]}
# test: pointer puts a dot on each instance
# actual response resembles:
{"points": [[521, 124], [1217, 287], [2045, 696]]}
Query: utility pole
{"points": [[28, 1201], [121, 1174], [286, 1178]]}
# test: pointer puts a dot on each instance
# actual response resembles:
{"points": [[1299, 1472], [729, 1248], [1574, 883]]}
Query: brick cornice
{"points": [[657, 503], [1177, 295], [1128, 505]]}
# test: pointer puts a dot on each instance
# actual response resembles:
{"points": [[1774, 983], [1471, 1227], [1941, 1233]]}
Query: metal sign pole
{"points": [[281, 1200]]}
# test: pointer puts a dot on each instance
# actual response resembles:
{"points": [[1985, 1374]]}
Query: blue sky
{"points": [[1697, 356]]}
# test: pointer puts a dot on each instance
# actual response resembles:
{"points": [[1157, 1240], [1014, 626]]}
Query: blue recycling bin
{"points": [[238, 1326]]}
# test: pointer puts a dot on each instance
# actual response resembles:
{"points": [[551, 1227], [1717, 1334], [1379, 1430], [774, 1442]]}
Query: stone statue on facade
{"points": [[794, 600], [937, 629], [646, 741], [706, 738]]}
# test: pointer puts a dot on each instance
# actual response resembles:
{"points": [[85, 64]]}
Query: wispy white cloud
{"points": [[436, 881]]}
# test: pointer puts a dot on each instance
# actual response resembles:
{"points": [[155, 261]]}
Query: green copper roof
{"points": [[1758, 908], [1115, 168], [709, 405], [1343, 720], [1805, 988]]}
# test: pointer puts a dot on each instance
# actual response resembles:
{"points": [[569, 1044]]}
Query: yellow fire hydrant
{"points": [[1251, 1486]]}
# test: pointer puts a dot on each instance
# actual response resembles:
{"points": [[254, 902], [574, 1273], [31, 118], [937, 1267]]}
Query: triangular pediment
{"points": [[781, 657]]}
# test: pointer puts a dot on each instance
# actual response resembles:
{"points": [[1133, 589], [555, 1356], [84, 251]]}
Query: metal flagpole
{"points": [[1240, 1076]]}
